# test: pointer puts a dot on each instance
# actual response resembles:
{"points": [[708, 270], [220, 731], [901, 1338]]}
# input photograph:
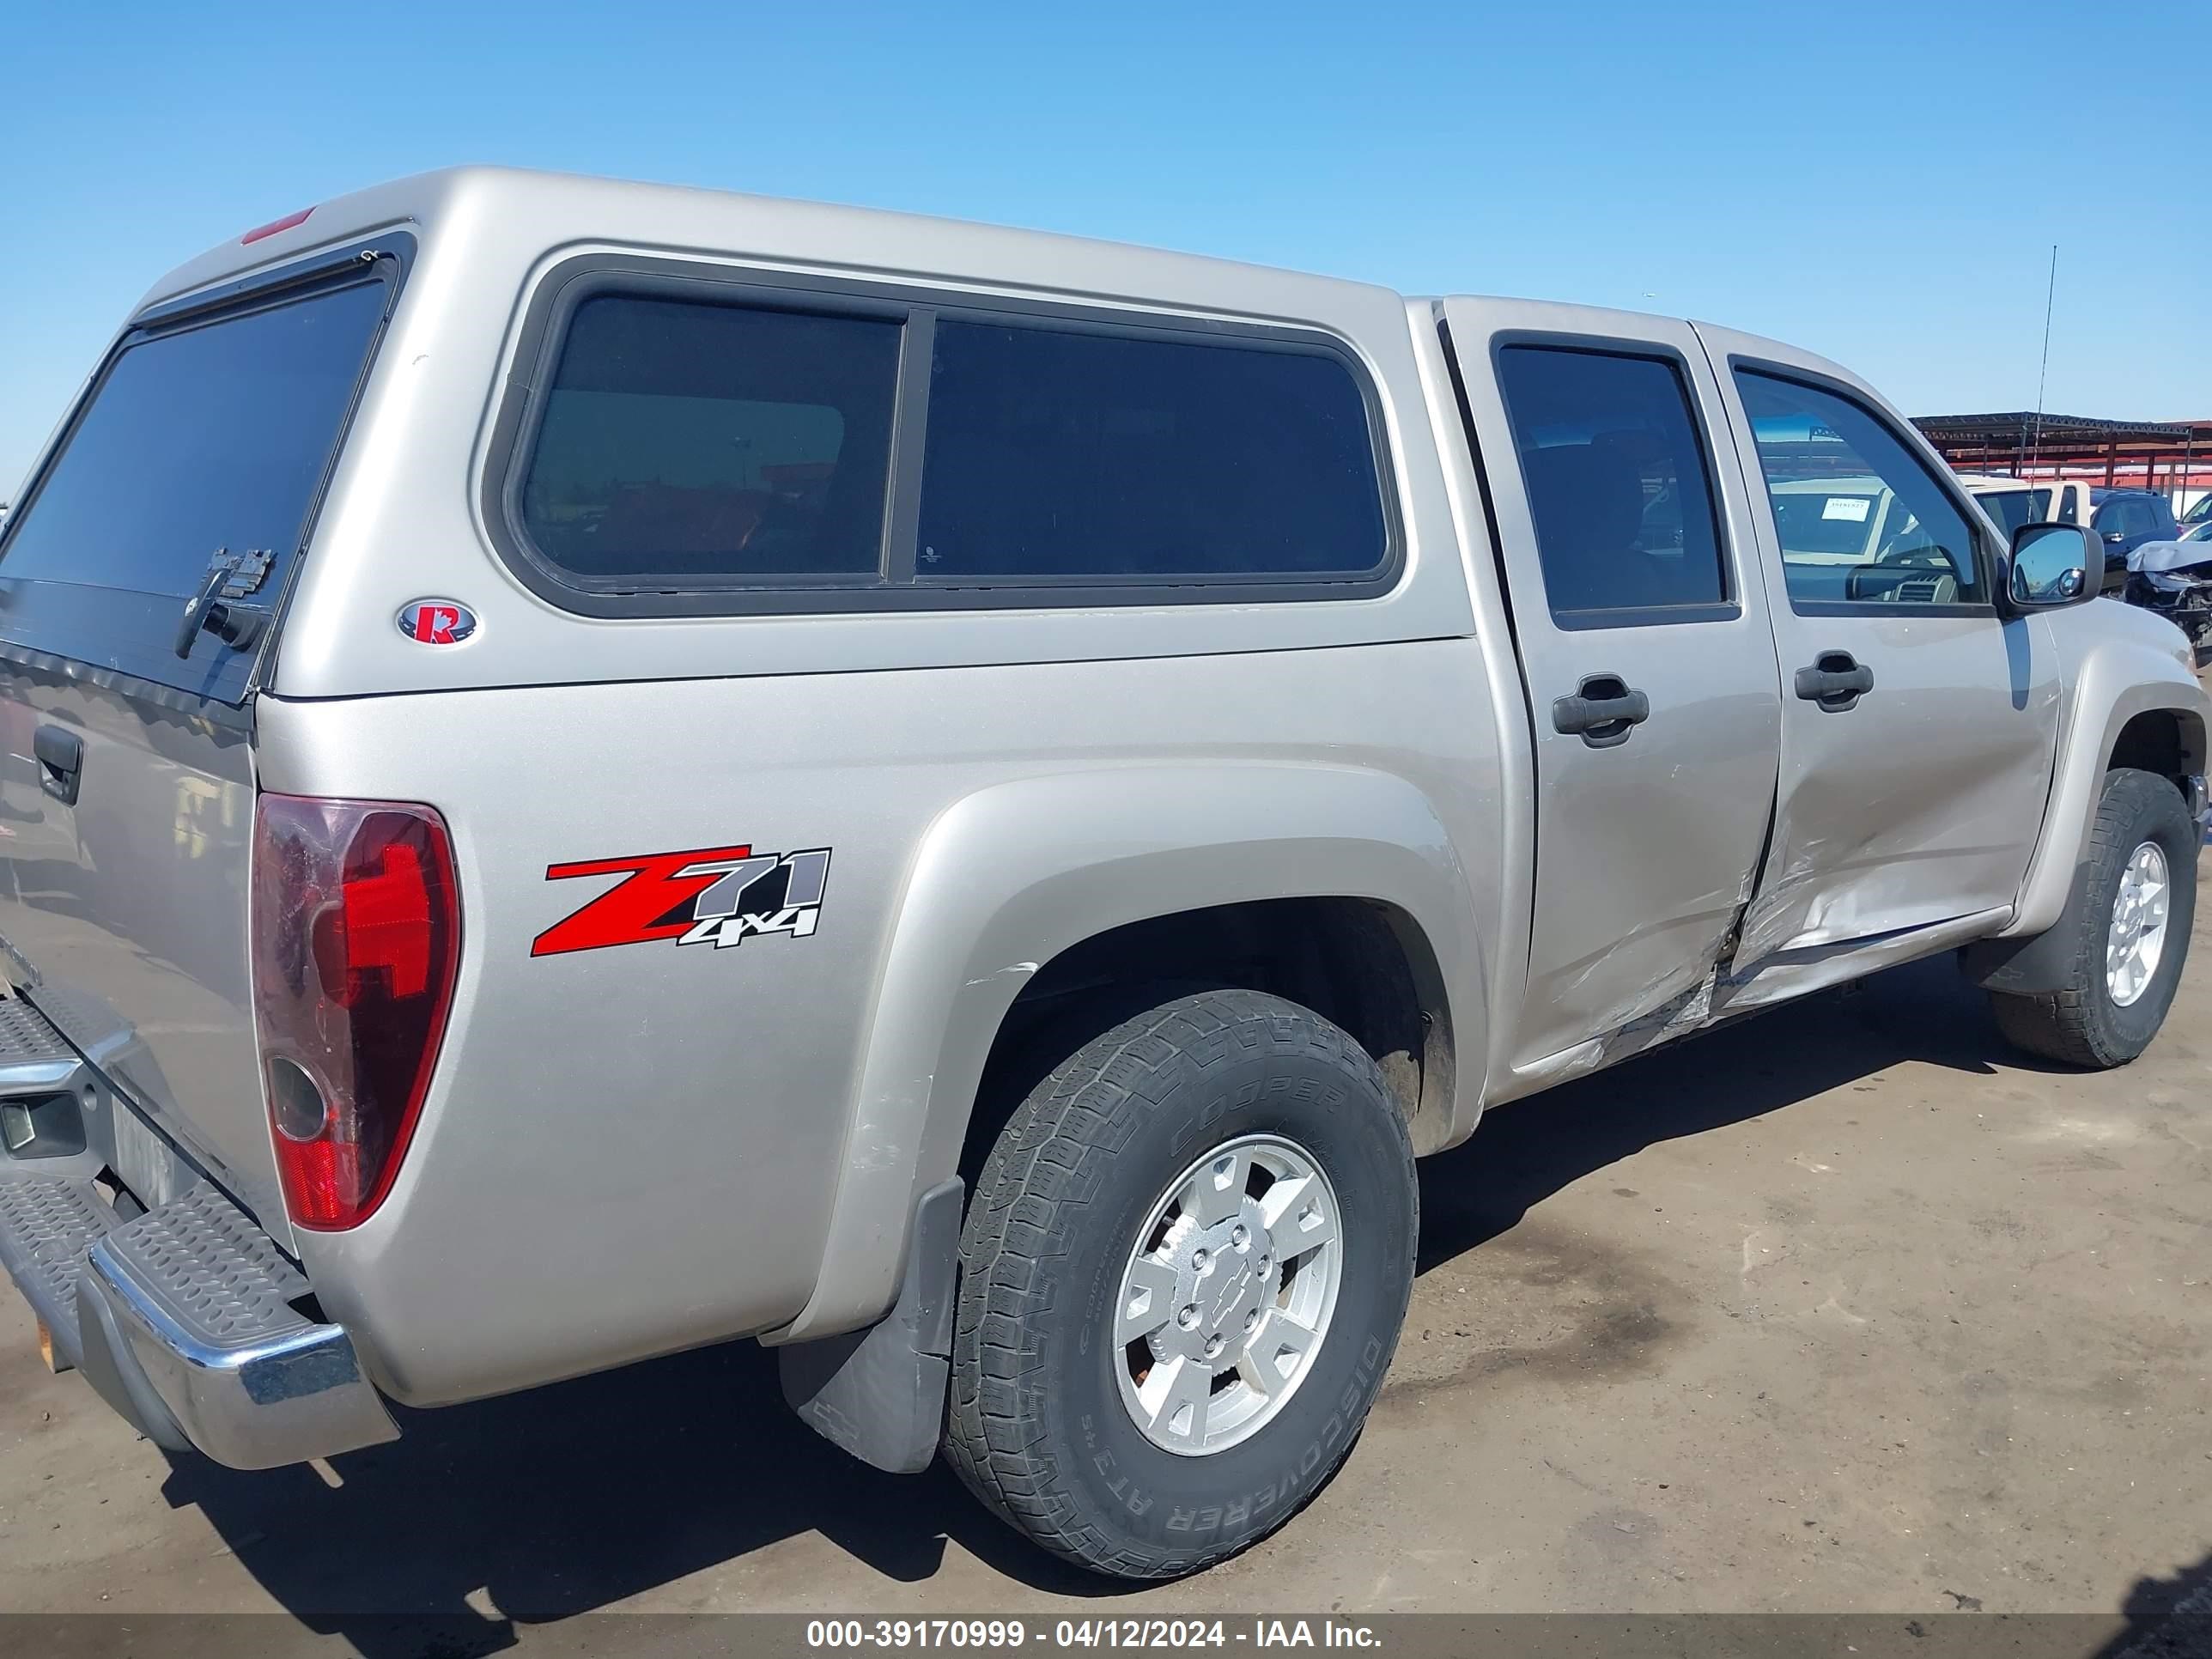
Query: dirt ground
{"points": [[1846, 1309]]}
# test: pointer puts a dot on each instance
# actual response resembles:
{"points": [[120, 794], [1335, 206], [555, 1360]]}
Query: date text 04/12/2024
{"points": [[1000, 1634]]}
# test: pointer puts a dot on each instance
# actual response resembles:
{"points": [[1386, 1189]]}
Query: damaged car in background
{"points": [[2174, 579]]}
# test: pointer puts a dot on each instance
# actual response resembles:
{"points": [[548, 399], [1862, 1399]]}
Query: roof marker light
{"points": [[275, 225]]}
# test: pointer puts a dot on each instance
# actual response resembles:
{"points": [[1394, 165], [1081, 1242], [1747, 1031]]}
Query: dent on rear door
{"points": [[1611, 477]]}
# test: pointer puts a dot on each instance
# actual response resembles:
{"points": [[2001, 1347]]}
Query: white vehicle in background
{"points": [[2016, 502], [2011, 501], [2071, 500]]}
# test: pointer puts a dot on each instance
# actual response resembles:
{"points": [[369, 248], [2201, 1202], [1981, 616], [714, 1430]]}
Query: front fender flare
{"points": [[2112, 684], [1010, 877]]}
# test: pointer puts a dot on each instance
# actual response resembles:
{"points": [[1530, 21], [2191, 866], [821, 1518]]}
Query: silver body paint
{"points": [[629, 1150]]}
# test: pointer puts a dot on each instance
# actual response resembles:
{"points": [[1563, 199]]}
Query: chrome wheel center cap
{"points": [[1223, 1274]]}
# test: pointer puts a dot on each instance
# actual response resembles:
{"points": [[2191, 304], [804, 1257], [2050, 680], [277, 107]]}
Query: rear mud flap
{"points": [[879, 1393]]}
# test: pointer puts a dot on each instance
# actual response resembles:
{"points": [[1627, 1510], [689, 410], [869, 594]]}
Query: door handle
{"points": [[1836, 681], [60, 756], [231, 622], [1602, 711]]}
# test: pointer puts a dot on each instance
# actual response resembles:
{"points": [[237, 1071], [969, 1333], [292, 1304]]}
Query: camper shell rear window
{"points": [[207, 438]]}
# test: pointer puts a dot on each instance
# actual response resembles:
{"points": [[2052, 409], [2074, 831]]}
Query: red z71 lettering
{"points": [[698, 898]]}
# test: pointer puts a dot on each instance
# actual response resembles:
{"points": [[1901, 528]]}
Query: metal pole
{"points": [[2043, 373]]}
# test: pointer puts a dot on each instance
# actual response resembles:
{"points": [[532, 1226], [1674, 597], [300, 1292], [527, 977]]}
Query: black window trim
{"points": [[1985, 560], [385, 257], [1729, 606], [895, 586]]}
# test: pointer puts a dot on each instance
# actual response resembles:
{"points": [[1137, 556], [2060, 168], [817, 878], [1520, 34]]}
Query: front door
{"points": [[1919, 726], [1624, 532]]}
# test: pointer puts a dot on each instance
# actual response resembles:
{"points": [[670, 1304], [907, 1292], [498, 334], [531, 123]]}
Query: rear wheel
{"points": [[2132, 923], [1183, 1276]]}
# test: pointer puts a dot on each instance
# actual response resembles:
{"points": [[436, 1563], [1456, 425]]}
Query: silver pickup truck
{"points": [[593, 768]]}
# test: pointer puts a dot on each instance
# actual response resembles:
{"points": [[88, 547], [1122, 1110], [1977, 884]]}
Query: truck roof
{"points": [[574, 209], [571, 211]]}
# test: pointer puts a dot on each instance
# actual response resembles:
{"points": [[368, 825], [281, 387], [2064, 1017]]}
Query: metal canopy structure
{"points": [[2166, 455]]}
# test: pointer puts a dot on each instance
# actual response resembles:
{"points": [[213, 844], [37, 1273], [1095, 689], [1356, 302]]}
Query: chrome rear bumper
{"points": [[202, 1304], [186, 1318]]}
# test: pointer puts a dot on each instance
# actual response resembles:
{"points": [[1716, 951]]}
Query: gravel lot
{"points": [[1845, 1309]]}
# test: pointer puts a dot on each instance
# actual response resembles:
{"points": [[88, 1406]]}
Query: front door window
{"points": [[1860, 520]]}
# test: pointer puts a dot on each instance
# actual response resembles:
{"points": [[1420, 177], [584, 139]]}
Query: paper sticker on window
{"points": [[1853, 507]]}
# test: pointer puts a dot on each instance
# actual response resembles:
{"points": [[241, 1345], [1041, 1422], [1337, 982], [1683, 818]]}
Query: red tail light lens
{"points": [[356, 930]]}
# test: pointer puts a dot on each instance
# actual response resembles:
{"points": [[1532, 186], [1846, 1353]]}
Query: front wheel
{"points": [[2132, 918], [1182, 1275]]}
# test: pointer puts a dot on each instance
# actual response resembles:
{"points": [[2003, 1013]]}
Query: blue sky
{"points": [[1881, 183]]}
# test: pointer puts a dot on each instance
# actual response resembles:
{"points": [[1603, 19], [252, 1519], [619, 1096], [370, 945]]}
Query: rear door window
{"points": [[210, 438], [2127, 515], [1617, 480]]}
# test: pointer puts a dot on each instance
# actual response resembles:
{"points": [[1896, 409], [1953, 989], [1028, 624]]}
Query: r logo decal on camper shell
{"points": [[437, 621]]}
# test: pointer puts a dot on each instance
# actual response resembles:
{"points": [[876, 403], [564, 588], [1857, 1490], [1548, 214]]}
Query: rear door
{"points": [[1624, 536], [126, 786], [1919, 726]]}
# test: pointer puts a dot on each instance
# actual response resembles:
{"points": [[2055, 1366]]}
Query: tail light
{"points": [[356, 929]]}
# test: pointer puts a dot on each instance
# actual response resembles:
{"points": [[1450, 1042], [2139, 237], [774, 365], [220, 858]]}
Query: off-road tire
{"points": [[2079, 1023], [1035, 1423]]}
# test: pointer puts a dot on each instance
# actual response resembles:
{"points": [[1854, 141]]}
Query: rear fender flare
{"points": [[1010, 877]]}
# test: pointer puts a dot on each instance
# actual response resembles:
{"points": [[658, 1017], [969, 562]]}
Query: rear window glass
{"points": [[204, 439], [2012, 508], [1060, 455], [691, 445], [1616, 478]]}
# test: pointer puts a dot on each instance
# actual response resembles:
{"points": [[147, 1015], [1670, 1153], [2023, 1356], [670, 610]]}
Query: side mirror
{"points": [[2050, 565]]}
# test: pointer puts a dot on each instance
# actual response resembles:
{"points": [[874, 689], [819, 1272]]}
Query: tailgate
{"points": [[194, 464]]}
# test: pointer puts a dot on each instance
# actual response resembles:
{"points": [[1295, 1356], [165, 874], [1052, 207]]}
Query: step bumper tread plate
{"points": [[47, 1227], [204, 1304], [27, 1037]]}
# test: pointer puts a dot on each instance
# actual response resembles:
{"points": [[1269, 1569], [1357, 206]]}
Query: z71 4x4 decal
{"points": [[717, 896]]}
